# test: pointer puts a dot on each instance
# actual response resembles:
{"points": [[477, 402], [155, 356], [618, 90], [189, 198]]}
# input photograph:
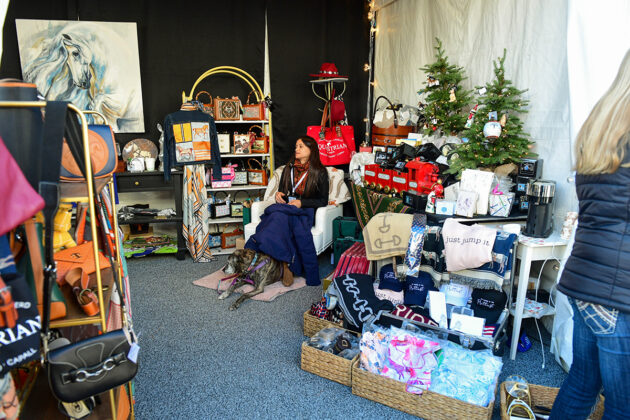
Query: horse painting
{"points": [[87, 63]]}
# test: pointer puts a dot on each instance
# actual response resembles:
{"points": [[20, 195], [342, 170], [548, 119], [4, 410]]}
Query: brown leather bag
{"points": [[82, 256]]}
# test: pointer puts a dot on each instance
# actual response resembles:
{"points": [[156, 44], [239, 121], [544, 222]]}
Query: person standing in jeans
{"points": [[596, 277]]}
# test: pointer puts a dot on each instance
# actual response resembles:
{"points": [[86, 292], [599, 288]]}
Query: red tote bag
{"points": [[336, 144]]}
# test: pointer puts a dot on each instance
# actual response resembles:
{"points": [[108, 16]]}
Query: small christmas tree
{"points": [[445, 96], [504, 141]]}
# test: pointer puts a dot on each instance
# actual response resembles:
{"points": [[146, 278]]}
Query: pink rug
{"points": [[271, 292]]}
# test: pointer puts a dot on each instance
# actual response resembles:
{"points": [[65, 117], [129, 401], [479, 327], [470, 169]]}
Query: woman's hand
{"points": [[280, 198], [296, 203]]}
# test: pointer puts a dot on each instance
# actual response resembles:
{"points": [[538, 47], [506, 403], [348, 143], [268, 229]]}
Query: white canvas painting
{"points": [[94, 65]]}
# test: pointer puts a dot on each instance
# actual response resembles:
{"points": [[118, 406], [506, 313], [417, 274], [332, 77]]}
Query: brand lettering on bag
{"points": [[22, 305], [383, 176], [359, 305], [8, 335], [17, 360]]}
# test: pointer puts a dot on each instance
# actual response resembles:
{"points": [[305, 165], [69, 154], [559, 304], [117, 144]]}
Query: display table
{"points": [[528, 250], [128, 182]]}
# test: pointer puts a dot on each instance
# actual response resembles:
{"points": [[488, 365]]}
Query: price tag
{"points": [[133, 353]]}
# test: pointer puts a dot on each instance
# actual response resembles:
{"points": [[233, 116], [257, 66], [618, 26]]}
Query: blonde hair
{"points": [[600, 145]]}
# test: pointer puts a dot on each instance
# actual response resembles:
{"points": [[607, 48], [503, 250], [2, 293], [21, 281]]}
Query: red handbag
{"points": [[336, 143], [19, 200]]}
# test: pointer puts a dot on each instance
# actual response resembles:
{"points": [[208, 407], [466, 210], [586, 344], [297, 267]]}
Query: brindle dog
{"points": [[240, 262]]}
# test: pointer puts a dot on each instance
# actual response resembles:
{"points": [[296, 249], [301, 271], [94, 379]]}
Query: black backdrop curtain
{"points": [[303, 35], [177, 43]]}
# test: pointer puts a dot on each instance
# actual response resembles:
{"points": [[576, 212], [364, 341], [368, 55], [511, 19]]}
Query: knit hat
{"points": [[488, 304]]}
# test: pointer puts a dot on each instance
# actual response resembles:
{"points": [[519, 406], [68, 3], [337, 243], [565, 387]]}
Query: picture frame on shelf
{"points": [[259, 142], [241, 144], [224, 142]]}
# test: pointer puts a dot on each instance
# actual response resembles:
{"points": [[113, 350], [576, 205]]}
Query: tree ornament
{"points": [[503, 120], [432, 81], [451, 93]]}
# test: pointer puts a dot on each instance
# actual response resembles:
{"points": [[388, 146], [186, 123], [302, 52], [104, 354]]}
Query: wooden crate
{"points": [[327, 365], [313, 325], [429, 405], [545, 396]]}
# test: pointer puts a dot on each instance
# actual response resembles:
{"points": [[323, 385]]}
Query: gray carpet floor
{"points": [[198, 360]]}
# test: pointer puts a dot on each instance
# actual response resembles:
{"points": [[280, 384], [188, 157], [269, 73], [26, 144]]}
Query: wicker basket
{"points": [[313, 325], [327, 365], [545, 396], [429, 405]]}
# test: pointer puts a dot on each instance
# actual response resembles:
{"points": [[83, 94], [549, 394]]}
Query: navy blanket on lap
{"points": [[284, 233]]}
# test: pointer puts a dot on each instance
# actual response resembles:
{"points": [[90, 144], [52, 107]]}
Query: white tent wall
{"points": [[474, 33]]}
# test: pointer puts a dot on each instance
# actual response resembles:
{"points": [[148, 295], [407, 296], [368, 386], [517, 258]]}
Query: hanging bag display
{"points": [[214, 239], [236, 208], [80, 370], [336, 143], [258, 143], [207, 108], [256, 176], [228, 239], [253, 112]]}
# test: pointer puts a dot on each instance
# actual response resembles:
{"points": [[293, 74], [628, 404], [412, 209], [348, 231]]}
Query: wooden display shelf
{"points": [[241, 122], [237, 155], [147, 219], [222, 251], [43, 405], [224, 220], [71, 192], [74, 314], [237, 187]]}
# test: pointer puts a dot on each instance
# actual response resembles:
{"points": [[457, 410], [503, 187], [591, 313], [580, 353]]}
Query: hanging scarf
{"points": [[300, 169]]}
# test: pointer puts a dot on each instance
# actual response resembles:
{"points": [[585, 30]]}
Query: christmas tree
{"points": [[504, 141], [445, 96]]}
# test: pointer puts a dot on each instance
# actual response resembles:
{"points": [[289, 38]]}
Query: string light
{"points": [[366, 67], [370, 15], [374, 30]]}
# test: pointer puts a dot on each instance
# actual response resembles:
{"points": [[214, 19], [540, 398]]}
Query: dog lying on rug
{"points": [[246, 266]]}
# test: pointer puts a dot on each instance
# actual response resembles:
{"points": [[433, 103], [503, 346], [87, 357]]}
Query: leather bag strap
{"points": [[393, 108], [56, 113]]}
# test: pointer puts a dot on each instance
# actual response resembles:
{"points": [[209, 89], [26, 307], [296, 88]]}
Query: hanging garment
{"points": [[196, 229]]}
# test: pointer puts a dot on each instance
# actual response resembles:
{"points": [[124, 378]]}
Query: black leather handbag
{"points": [[80, 370]]}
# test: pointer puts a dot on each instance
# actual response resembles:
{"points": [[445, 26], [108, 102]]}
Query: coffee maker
{"points": [[528, 171], [540, 195]]}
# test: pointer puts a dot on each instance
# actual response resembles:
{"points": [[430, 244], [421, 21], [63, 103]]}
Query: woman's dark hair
{"points": [[316, 169]]}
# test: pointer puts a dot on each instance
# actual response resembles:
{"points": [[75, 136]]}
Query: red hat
{"points": [[328, 71]]}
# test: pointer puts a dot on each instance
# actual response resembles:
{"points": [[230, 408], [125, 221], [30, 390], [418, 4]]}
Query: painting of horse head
{"points": [[94, 65]]}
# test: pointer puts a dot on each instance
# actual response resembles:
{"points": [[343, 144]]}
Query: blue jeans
{"points": [[601, 358]]}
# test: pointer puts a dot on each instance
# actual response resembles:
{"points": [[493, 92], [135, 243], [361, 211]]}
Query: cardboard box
{"points": [[240, 243]]}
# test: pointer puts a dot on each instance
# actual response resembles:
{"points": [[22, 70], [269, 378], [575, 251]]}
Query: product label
{"points": [[383, 176], [413, 184], [399, 180], [370, 173]]}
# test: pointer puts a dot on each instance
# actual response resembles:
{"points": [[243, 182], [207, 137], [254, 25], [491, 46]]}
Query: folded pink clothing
{"points": [[467, 246]]}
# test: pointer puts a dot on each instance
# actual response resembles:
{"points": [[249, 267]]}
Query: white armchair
{"points": [[322, 231]]}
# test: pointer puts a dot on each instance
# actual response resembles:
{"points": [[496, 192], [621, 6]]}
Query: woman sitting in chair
{"points": [[284, 232], [304, 180]]}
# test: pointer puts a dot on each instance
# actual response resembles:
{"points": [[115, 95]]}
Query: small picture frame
{"points": [[224, 142], [241, 144], [380, 157], [466, 203]]}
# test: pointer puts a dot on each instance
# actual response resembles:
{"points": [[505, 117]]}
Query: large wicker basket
{"points": [[313, 325], [327, 365], [429, 405], [545, 396]]}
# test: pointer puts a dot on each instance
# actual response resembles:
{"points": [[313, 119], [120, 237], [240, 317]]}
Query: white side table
{"points": [[528, 250]]}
